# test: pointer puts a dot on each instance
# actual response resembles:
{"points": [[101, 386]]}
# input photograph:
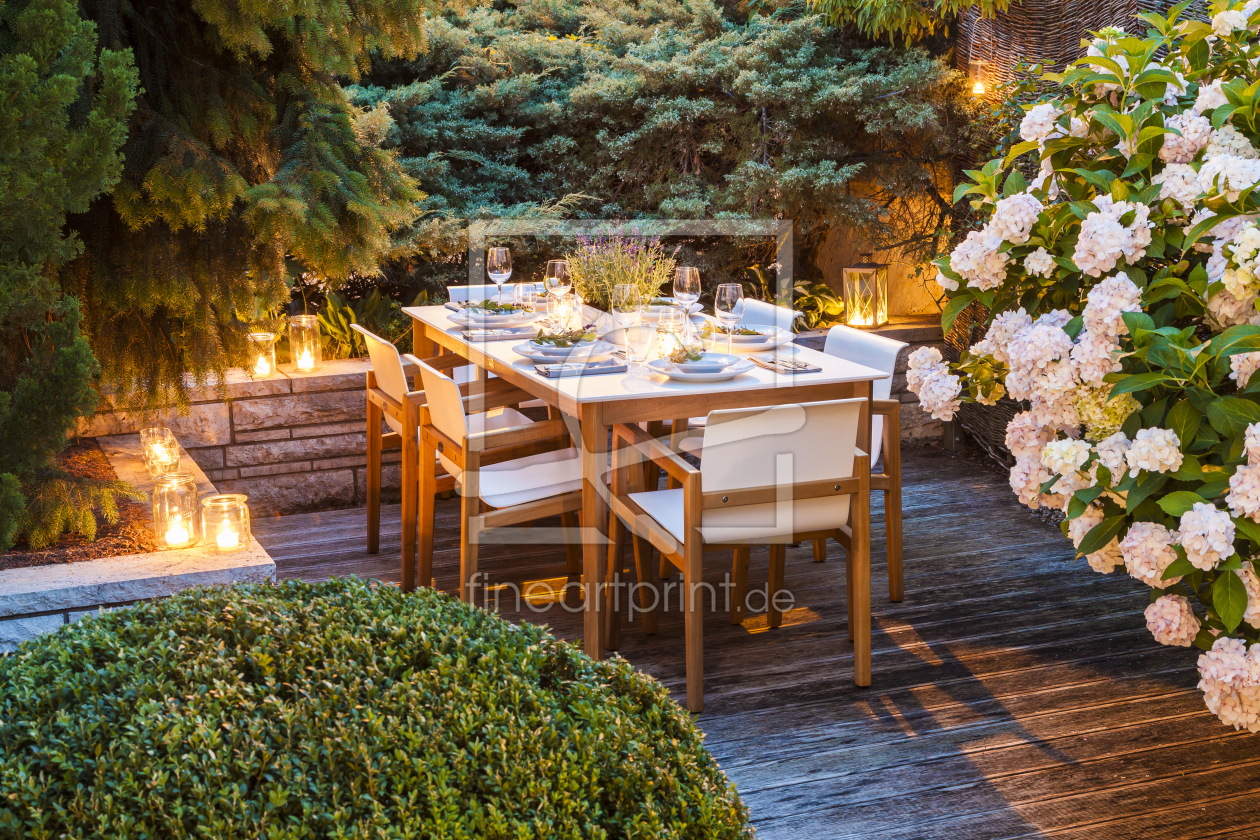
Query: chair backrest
{"points": [[762, 314], [873, 351], [459, 294], [758, 447], [388, 367], [446, 406]]}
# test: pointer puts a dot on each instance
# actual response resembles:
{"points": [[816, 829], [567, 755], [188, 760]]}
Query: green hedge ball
{"points": [[342, 709]]}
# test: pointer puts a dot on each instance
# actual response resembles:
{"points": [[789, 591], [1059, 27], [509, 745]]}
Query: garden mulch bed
{"points": [[126, 536]]}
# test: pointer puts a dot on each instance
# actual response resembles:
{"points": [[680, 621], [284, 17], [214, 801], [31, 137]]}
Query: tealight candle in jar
{"points": [[225, 521], [159, 451], [175, 518], [304, 342], [262, 354]]}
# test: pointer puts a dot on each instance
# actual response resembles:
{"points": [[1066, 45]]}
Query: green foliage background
{"points": [[341, 709]]}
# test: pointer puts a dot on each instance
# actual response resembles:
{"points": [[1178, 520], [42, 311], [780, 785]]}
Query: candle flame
{"points": [[262, 368], [177, 534], [306, 361], [978, 89], [228, 538]]}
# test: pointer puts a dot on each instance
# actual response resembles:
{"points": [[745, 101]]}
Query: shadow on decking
{"points": [[1015, 693]]}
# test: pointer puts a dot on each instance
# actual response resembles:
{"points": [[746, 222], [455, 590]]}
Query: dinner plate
{"points": [[586, 353], [776, 339], [709, 362], [667, 368], [553, 350], [466, 319]]}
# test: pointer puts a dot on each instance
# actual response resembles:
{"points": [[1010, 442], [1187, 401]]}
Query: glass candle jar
{"points": [[304, 342], [225, 521], [175, 516], [262, 354], [159, 451]]}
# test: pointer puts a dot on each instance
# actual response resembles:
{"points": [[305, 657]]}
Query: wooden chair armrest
{"points": [[656, 452], [514, 435], [885, 407]]}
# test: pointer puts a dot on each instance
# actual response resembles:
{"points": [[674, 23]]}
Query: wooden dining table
{"points": [[598, 402]]}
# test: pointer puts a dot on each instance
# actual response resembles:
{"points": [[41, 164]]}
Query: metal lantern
{"points": [[866, 294], [225, 522], [977, 74], [304, 342], [159, 451], [175, 513], [262, 354]]}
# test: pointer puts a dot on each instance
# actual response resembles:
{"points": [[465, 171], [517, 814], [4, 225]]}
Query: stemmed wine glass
{"points": [[556, 282], [627, 310], [499, 267], [686, 292], [728, 306]]}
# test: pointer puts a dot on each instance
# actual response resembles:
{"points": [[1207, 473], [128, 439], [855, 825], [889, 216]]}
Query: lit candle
{"points": [[305, 361], [177, 534], [227, 538], [262, 368]]}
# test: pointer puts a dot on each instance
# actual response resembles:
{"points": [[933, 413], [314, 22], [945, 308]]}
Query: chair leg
{"points": [[820, 549], [693, 615], [646, 586], [427, 507], [410, 498], [373, 478], [892, 535], [778, 552], [469, 507], [739, 577], [572, 559], [849, 563], [860, 594], [612, 593]]}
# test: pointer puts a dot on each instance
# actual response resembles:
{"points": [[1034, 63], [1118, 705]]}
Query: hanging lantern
{"points": [[159, 451], [977, 74], [225, 521], [175, 515], [866, 294], [262, 354], [304, 342]]}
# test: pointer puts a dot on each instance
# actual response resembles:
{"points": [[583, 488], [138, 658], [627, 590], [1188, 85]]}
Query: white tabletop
{"points": [[638, 384]]}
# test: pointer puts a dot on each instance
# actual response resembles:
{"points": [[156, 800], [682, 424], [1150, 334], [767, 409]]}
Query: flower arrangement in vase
{"points": [[601, 263]]}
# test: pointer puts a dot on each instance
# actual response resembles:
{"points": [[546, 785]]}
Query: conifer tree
{"points": [[242, 166], [63, 117]]}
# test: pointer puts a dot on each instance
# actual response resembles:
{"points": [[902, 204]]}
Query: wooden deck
{"points": [[1015, 692]]}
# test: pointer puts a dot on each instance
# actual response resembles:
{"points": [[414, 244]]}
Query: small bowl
{"points": [[708, 363]]}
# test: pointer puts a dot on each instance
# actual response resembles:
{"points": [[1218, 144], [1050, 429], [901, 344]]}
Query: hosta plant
{"points": [[1121, 285]]}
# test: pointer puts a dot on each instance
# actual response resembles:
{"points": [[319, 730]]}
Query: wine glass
{"points": [[686, 292], [499, 267], [557, 280], [523, 296], [728, 306], [669, 331], [627, 309]]}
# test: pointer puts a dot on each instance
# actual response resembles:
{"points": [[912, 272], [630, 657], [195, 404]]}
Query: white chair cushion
{"points": [[489, 421], [755, 524], [531, 478]]}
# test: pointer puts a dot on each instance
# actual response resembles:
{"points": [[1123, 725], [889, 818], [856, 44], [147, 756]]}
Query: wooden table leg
{"points": [[410, 493], [594, 521]]}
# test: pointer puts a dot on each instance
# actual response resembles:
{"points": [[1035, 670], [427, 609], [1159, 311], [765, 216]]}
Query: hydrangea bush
{"points": [[1122, 286]]}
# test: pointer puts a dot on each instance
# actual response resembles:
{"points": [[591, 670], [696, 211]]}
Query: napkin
{"points": [[580, 368], [500, 334]]}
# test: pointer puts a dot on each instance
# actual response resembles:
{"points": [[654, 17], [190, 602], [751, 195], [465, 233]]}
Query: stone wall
{"points": [[292, 441]]}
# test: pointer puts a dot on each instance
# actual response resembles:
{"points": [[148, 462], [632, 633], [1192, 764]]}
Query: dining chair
{"points": [[878, 352], [391, 397], [771, 476], [461, 294], [759, 313], [542, 478]]}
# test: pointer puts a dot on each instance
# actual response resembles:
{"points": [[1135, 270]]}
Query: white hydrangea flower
{"points": [[1242, 366], [1107, 559], [1026, 479], [1001, 332], [1252, 583], [977, 260], [1095, 357], [1101, 414], [1103, 240], [1039, 263], [928, 376], [1225, 310], [1230, 681], [946, 283], [1210, 97], [1106, 304], [1045, 180], [1155, 450], [1180, 182], [1039, 122], [1224, 23], [1025, 438], [1251, 444], [1014, 217], [1195, 130], [1065, 456], [1244, 492], [1228, 175], [1207, 535], [1111, 454], [1148, 552], [1172, 621], [1228, 141]]}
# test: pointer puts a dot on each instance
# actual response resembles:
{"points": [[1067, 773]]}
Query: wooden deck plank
{"points": [[1016, 694]]}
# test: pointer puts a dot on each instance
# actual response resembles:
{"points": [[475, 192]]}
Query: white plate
{"points": [[464, 319], [666, 368], [778, 339], [710, 362], [588, 353], [553, 350]]}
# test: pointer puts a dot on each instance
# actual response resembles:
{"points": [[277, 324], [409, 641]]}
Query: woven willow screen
{"points": [[1045, 30]]}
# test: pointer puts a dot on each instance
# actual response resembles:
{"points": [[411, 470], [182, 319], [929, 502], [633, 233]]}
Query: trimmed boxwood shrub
{"points": [[342, 709]]}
